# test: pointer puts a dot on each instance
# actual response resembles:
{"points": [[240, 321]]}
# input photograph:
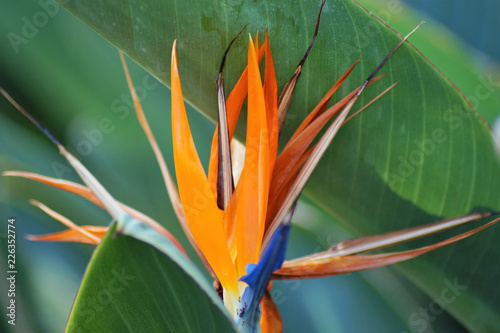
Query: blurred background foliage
{"points": [[71, 79]]}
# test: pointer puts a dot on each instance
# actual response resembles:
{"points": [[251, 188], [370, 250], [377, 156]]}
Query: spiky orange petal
{"points": [[271, 97], [71, 235], [200, 208], [249, 203], [271, 321], [327, 265], [80, 233]]}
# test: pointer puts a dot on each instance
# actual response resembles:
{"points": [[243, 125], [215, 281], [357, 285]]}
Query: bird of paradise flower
{"points": [[238, 222]]}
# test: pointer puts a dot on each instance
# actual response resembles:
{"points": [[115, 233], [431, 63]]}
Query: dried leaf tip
{"points": [[225, 183], [314, 36], [388, 56], [286, 95], [229, 46]]}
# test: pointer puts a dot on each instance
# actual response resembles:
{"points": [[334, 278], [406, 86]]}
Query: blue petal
{"points": [[258, 278]]}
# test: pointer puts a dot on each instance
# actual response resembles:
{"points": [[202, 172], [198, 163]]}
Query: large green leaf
{"points": [[419, 155], [137, 281], [423, 120]]}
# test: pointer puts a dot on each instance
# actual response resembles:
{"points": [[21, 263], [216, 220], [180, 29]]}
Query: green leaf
{"points": [[134, 286]]}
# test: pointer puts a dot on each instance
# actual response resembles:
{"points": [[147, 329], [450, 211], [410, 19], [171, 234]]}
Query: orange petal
{"points": [[271, 97], [249, 203], [277, 197], [62, 184], [200, 207], [271, 321], [71, 235], [256, 42], [82, 235], [326, 264], [234, 104]]}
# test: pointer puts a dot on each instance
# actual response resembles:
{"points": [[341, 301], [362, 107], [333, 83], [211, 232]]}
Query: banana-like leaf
{"points": [[425, 127], [138, 281]]}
